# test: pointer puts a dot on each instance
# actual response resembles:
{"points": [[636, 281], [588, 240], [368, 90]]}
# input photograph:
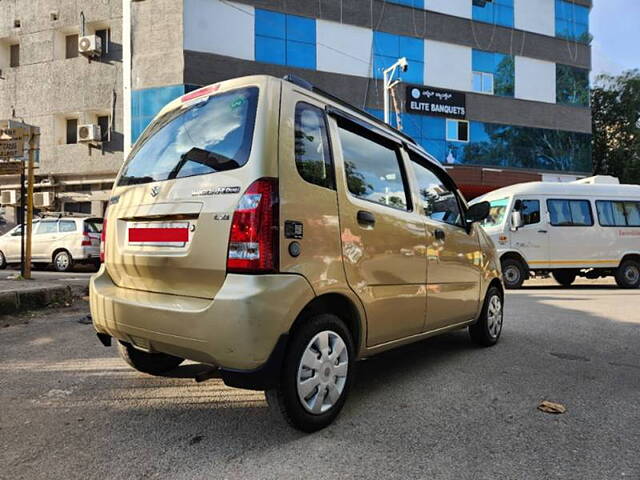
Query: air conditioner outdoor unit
{"points": [[8, 197], [89, 133], [42, 199], [90, 45]]}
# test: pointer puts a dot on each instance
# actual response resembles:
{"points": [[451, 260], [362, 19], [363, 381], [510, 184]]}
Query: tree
{"points": [[615, 101]]}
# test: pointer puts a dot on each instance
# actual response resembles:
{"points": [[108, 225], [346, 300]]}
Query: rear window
{"points": [[212, 135], [93, 226]]}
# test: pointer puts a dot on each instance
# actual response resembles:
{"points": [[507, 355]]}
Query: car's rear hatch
{"points": [[169, 217]]}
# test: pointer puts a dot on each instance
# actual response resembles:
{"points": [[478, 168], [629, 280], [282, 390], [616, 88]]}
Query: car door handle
{"points": [[366, 218], [439, 234], [542, 231]]}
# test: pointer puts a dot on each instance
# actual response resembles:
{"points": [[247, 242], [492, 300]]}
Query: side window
{"points": [[618, 214], [373, 170], [67, 226], [48, 226], [313, 159], [529, 210], [17, 232], [438, 201], [570, 213]]}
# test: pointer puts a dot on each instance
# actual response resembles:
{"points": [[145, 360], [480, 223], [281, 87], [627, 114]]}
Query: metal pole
{"points": [[31, 179], [21, 219], [385, 76]]}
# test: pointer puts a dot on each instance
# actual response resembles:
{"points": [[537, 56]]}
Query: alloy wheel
{"points": [[494, 316]]}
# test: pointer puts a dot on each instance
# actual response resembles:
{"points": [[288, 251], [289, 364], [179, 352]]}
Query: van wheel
{"points": [[3, 261], [151, 363], [628, 274], [62, 261], [565, 277], [513, 273], [316, 374], [486, 331]]}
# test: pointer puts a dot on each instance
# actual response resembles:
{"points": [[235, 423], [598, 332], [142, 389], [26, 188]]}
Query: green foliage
{"points": [[572, 85], [615, 101]]}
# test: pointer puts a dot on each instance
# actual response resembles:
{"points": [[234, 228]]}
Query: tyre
{"points": [[486, 331], [565, 277], [3, 261], [628, 274], [514, 273], [151, 363], [62, 261], [316, 374]]}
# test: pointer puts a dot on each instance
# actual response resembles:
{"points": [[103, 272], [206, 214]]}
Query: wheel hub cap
{"points": [[632, 273], [494, 316], [322, 373], [511, 274]]}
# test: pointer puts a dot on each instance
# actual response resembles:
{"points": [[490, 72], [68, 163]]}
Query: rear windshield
{"points": [[209, 136], [93, 226]]}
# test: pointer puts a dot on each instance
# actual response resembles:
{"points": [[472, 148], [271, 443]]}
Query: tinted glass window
{"points": [[48, 226], [212, 135], [93, 226], [67, 226], [529, 210], [373, 170], [570, 213], [618, 214], [438, 201], [312, 147], [496, 212]]}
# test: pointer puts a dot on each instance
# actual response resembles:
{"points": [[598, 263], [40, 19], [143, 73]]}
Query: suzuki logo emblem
{"points": [[155, 191]]}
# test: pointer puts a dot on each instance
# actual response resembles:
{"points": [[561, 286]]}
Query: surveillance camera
{"points": [[404, 65]]}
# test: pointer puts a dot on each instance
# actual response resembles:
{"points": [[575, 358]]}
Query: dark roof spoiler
{"points": [[302, 83]]}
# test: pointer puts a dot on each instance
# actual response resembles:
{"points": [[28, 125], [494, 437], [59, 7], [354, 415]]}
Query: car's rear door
{"points": [[383, 237]]}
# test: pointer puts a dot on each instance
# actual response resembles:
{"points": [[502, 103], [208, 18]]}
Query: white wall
{"points": [[217, 27], [447, 65], [535, 80], [459, 8], [535, 16], [343, 48]]}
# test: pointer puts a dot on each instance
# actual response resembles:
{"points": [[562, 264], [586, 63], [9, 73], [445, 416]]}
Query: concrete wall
{"points": [[47, 88]]}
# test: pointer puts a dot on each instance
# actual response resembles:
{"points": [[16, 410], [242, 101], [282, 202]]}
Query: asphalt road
{"points": [[440, 409]]}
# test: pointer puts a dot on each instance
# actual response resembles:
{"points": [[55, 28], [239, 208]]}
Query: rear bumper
{"points": [[81, 254], [238, 331]]}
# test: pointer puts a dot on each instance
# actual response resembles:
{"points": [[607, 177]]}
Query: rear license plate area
{"points": [[159, 234]]}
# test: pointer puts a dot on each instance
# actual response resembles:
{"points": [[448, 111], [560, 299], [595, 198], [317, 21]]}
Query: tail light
{"points": [[103, 238], [253, 242], [86, 240]]}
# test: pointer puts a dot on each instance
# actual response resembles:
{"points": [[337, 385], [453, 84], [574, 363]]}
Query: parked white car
{"points": [[584, 228], [62, 241]]}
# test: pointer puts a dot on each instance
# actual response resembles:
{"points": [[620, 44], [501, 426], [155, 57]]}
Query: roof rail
{"points": [[301, 82]]}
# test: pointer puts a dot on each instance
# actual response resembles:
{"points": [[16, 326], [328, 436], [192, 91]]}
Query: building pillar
{"points": [[97, 208]]}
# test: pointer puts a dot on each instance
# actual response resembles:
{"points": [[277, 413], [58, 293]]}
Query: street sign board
{"points": [[11, 168], [435, 101], [11, 148]]}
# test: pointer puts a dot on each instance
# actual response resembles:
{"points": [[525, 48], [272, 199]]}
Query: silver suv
{"points": [[59, 240]]}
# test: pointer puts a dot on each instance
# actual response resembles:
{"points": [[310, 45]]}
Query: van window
{"points": [[373, 170], [312, 147], [618, 214], [438, 201], [570, 213], [497, 212], [529, 210], [67, 226], [211, 135], [47, 226]]}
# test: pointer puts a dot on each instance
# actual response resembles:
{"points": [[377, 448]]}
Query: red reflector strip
{"points": [[201, 92], [142, 235]]}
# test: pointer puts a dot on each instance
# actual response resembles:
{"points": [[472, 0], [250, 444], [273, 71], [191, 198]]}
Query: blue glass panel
{"points": [[410, 3], [478, 133], [452, 130], [483, 61], [581, 15], [301, 29], [412, 48], [411, 125], [301, 55], [477, 82], [484, 14], [562, 9], [415, 74], [380, 63], [269, 24], [376, 113], [386, 44], [270, 50], [433, 128], [437, 148], [152, 100], [504, 16]]}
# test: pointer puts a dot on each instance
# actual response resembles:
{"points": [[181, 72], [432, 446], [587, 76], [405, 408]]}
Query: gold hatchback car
{"points": [[278, 234]]}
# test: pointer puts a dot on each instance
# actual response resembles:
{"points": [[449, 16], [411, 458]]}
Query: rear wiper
{"points": [[214, 160], [135, 180]]}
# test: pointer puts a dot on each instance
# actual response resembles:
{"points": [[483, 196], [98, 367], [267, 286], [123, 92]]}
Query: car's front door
{"points": [[453, 251], [12, 245], [44, 240], [382, 235], [532, 238]]}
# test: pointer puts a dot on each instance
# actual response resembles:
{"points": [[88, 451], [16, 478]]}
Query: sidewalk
{"points": [[44, 290]]}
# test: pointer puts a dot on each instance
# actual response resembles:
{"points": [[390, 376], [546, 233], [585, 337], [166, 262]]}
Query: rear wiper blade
{"points": [[214, 160]]}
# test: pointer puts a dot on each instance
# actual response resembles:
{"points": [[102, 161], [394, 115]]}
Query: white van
{"points": [[588, 228]]}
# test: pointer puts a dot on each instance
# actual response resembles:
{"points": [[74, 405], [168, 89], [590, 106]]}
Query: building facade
{"points": [[497, 90]]}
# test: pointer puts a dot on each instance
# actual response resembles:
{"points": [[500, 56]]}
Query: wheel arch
{"points": [[630, 256], [57, 251], [514, 255], [339, 305]]}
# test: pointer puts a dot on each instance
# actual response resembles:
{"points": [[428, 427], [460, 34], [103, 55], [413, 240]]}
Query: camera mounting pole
{"points": [[389, 83]]}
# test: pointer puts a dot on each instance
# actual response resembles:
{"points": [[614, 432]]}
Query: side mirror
{"points": [[478, 212], [516, 220]]}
